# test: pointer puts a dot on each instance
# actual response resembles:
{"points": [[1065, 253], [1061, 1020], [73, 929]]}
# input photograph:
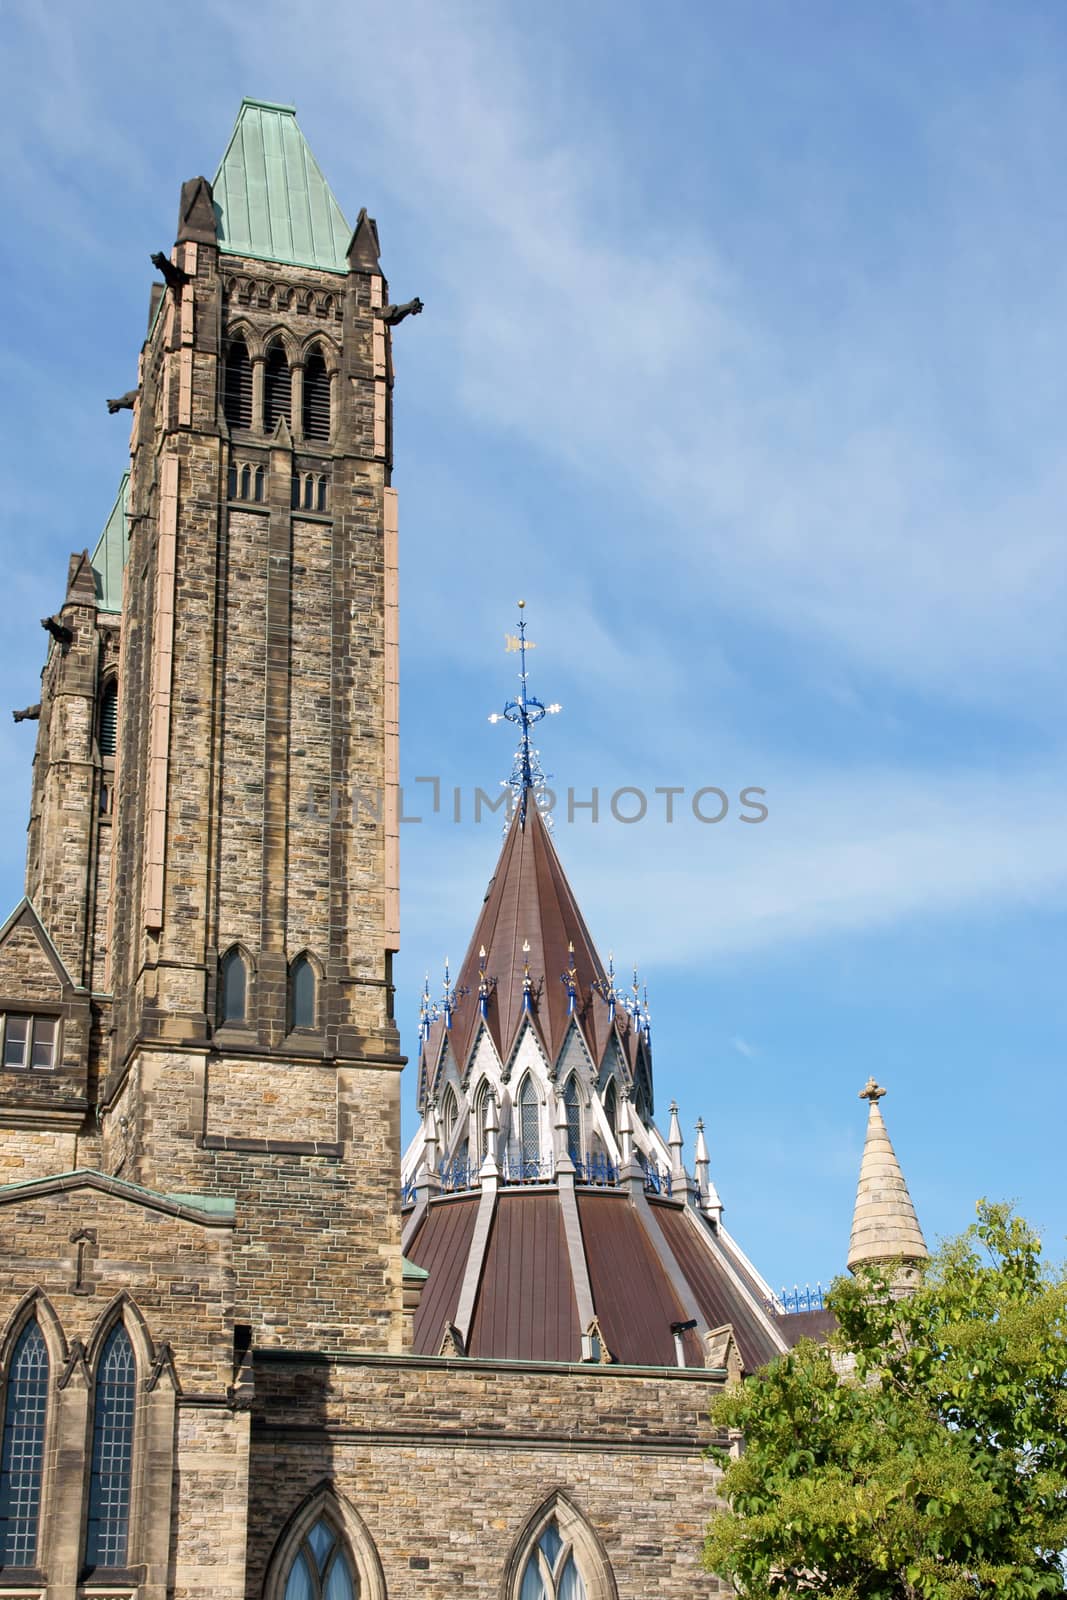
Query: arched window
{"points": [[611, 1108], [476, 1131], [231, 481], [302, 993], [237, 385], [573, 1107], [551, 1572], [233, 987], [110, 1475], [277, 388], [449, 1117], [320, 1568], [320, 499], [316, 398], [246, 482], [257, 492], [529, 1121], [309, 492], [25, 1404], [109, 718]]}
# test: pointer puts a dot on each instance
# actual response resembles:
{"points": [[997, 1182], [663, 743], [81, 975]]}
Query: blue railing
{"points": [[797, 1299], [458, 1173], [657, 1179], [527, 1169], [596, 1168], [409, 1192]]}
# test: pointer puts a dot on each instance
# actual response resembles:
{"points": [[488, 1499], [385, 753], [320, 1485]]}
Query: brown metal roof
{"points": [[797, 1325], [718, 1297], [441, 1247], [529, 899], [526, 1309], [632, 1295]]}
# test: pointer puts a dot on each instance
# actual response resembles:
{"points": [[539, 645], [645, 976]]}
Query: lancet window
{"points": [[110, 1475], [321, 1569], [22, 1460]]}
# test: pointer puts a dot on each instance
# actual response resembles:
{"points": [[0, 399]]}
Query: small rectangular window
{"points": [[30, 1042], [16, 1039]]}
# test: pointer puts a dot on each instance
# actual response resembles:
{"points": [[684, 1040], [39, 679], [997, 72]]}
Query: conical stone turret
{"points": [[884, 1225]]}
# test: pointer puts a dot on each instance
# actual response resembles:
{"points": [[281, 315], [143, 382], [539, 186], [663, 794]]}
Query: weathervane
{"points": [[527, 772]]}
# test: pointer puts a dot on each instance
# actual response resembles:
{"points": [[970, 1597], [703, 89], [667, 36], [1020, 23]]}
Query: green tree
{"points": [[924, 1452]]}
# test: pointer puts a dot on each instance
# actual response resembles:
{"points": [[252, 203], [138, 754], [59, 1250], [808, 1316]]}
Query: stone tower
{"points": [[220, 889]]}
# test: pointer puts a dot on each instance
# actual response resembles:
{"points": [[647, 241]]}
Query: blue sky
{"points": [[742, 362]]}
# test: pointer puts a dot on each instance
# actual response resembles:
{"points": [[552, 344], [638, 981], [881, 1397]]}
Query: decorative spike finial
{"points": [[486, 985], [527, 982], [429, 1011], [607, 989], [570, 978], [527, 773], [872, 1091], [449, 995]]}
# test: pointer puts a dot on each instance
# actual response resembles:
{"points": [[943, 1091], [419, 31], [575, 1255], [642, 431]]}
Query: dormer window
{"points": [[29, 1042]]}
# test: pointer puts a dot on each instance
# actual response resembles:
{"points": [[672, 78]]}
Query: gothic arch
{"points": [[577, 1535], [242, 329], [226, 955], [284, 336], [35, 1304], [318, 343], [123, 1308], [324, 1502]]}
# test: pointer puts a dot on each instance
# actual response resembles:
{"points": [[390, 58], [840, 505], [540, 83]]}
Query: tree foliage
{"points": [[924, 1452]]}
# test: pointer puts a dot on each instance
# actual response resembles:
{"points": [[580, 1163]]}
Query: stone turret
{"points": [[885, 1228]]}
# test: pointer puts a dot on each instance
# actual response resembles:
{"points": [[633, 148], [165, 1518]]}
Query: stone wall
{"points": [[446, 1461]]}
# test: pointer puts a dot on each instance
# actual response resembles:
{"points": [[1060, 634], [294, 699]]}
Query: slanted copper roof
{"points": [[529, 901], [441, 1247], [525, 1303], [526, 1310]]}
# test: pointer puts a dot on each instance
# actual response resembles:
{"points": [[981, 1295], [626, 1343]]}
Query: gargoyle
{"points": [[59, 630], [30, 714], [391, 315], [173, 276], [125, 402]]}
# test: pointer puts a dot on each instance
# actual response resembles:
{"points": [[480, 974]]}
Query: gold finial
{"points": [[522, 605], [871, 1091]]}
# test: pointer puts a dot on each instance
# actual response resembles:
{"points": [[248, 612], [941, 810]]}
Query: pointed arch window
{"points": [[110, 1475], [529, 1121], [316, 398], [477, 1139], [611, 1108], [550, 1571], [233, 986], [109, 718], [302, 993], [22, 1460], [237, 385], [277, 388], [572, 1105], [321, 1569], [449, 1117]]}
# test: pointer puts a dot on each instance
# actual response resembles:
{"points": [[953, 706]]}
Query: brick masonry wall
{"points": [[445, 1462]]}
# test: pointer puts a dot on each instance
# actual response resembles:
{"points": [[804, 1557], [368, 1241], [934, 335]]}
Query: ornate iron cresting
{"points": [[597, 1169], [657, 1179], [527, 773], [797, 1299], [519, 1168]]}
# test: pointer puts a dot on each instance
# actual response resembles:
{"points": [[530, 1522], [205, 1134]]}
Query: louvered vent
{"points": [[316, 398], [109, 719], [277, 389], [237, 399]]}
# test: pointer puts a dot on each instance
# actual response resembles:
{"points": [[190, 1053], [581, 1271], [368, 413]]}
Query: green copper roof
{"points": [[271, 200], [110, 554]]}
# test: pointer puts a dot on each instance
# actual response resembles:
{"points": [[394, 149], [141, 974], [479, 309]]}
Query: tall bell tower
{"points": [[254, 895]]}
